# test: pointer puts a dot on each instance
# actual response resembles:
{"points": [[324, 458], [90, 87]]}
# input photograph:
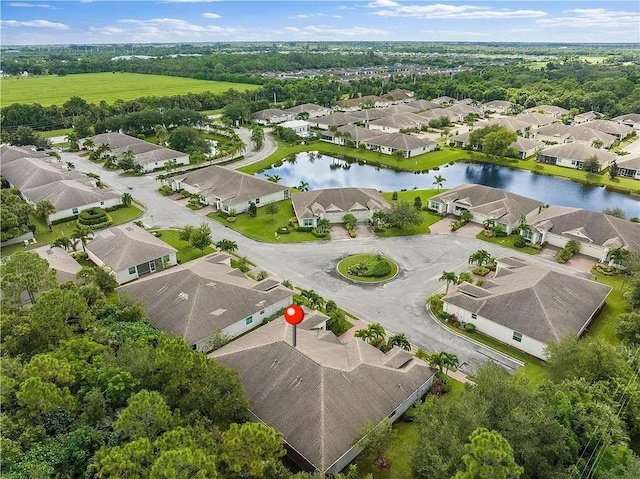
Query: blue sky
{"points": [[169, 21]]}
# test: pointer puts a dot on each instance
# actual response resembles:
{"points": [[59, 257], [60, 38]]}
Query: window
{"points": [[248, 320], [132, 270], [262, 312], [257, 201], [286, 194], [474, 316], [74, 211], [165, 258], [307, 222], [517, 336], [102, 203]]}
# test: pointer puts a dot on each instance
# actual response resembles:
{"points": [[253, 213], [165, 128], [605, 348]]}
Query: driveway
{"points": [[399, 305]]}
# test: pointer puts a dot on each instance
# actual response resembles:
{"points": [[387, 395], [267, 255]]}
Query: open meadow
{"points": [[94, 87]]}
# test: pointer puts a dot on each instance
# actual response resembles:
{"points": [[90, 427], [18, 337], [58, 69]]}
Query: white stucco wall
{"points": [[263, 200], [595, 251], [69, 212], [180, 160]]}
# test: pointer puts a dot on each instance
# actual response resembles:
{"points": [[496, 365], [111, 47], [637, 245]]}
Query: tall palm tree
{"points": [[63, 242], [127, 199], [161, 134], [81, 234], [373, 334], [314, 300], [450, 361], [88, 144], [449, 277], [303, 186], [480, 257], [257, 137], [399, 340], [438, 180], [44, 208], [437, 360]]}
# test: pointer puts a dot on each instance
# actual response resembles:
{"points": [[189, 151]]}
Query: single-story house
{"points": [[462, 111], [335, 119], [632, 120], [555, 111], [131, 252], [357, 134], [619, 130], [334, 203], [399, 95], [522, 128], [437, 113], [206, 296], [528, 306], [525, 147], [300, 127], [424, 105], [536, 120], [586, 116], [629, 166], [399, 109], [370, 114], [498, 106], [573, 155], [396, 123], [598, 233], [228, 189], [159, 157], [368, 101], [444, 101], [10, 153], [62, 262], [311, 109], [389, 143], [559, 133], [115, 140], [484, 202], [322, 392], [271, 115]]}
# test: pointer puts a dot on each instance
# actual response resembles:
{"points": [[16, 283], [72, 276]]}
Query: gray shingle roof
{"points": [[578, 151], [608, 126], [552, 109], [498, 104], [128, 246], [116, 140], [62, 262], [537, 119], [203, 296], [510, 123], [304, 108], [423, 105], [597, 228], [230, 185], [337, 119], [320, 394], [68, 194], [10, 153], [502, 205], [309, 203], [631, 162], [400, 141], [543, 304], [578, 132], [525, 144], [26, 173], [370, 114], [269, 113]]}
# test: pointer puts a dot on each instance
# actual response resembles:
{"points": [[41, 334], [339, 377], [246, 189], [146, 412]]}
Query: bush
{"points": [[520, 242], [64, 220], [480, 282], [165, 190], [293, 222], [231, 219], [318, 234], [394, 196], [606, 270], [534, 245], [470, 328], [32, 228], [381, 269], [480, 270], [564, 255], [93, 217], [305, 229], [283, 230], [352, 233]]}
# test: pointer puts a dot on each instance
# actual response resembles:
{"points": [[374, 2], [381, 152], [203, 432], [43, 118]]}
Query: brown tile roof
{"points": [[320, 394], [541, 303], [310, 203]]}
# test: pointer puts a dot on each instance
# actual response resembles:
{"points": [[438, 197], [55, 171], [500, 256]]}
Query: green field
{"points": [[94, 87]]}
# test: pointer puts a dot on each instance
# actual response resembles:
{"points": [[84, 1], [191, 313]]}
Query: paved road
{"points": [[398, 305], [252, 155]]}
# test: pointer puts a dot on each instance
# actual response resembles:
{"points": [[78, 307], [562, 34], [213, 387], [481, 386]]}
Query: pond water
{"points": [[323, 171]]}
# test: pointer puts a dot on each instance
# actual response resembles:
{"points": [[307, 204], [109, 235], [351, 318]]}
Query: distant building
{"points": [[574, 155], [300, 127]]}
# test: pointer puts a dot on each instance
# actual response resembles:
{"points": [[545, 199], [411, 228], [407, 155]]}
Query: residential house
{"points": [[343, 134], [498, 106], [355, 104], [522, 128], [462, 111], [536, 120], [399, 109], [552, 110], [300, 127], [399, 95], [484, 203], [573, 155], [398, 122], [559, 133], [131, 253], [597, 233], [271, 115], [423, 105], [335, 119], [370, 114], [632, 120], [586, 116], [10, 153], [310, 109], [619, 130], [159, 157], [410, 146], [629, 166], [524, 147], [206, 296], [334, 203], [61, 262], [444, 101], [228, 189], [115, 140], [437, 113], [322, 392], [528, 306]]}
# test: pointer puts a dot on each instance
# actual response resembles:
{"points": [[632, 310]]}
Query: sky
{"points": [[172, 21]]}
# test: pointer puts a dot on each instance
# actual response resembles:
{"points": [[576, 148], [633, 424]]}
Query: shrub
{"points": [[606, 270], [534, 245], [394, 196], [165, 190], [564, 255], [283, 230], [305, 229], [352, 233], [435, 303], [380, 269], [32, 228], [93, 217], [480, 282], [520, 242], [184, 193], [64, 220], [231, 219], [470, 328], [114, 208], [319, 234], [293, 221], [480, 270]]}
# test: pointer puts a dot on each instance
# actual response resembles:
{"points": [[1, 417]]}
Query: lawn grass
{"points": [[428, 217], [52, 133], [604, 326], [44, 236], [94, 87], [186, 252], [346, 263], [507, 242], [263, 227]]}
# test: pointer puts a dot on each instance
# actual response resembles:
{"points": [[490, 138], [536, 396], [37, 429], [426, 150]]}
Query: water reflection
{"points": [[323, 171]]}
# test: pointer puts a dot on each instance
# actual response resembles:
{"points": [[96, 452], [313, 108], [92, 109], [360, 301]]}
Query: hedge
{"points": [[305, 229], [64, 220]]}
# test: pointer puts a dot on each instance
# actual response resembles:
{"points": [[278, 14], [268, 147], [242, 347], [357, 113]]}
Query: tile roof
{"points": [[308, 204], [538, 302], [321, 393]]}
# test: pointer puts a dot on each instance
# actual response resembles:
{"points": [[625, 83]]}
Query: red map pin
{"points": [[294, 314]]}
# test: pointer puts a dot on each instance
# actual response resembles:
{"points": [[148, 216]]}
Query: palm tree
{"points": [[161, 134], [303, 186], [314, 300], [274, 178], [523, 225], [127, 199], [438, 180], [450, 361], [227, 246], [466, 216], [373, 334], [44, 208], [480, 257], [324, 225], [63, 242], [88, 144], [437, 360], [449, 277], [489, 224], [616, 255], [399, 340], [257, 136], [81, 234]]}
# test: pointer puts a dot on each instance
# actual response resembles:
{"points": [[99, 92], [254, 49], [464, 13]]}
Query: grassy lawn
{"points": [[507, 242], [346, 263], [186, 252], [52, 133], [44, 236], [263, 227], [94, 87], [429, 218], [604, 326]]}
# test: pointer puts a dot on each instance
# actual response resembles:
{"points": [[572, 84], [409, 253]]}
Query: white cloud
{"points": [[383, 3], [210, 15], [322, 31], [190, 1], [34, 24], [456, 12], [594, 18], [337, 16], [344, 7], [29, 5], [458, 34], [308, 15], [155, 30]]}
